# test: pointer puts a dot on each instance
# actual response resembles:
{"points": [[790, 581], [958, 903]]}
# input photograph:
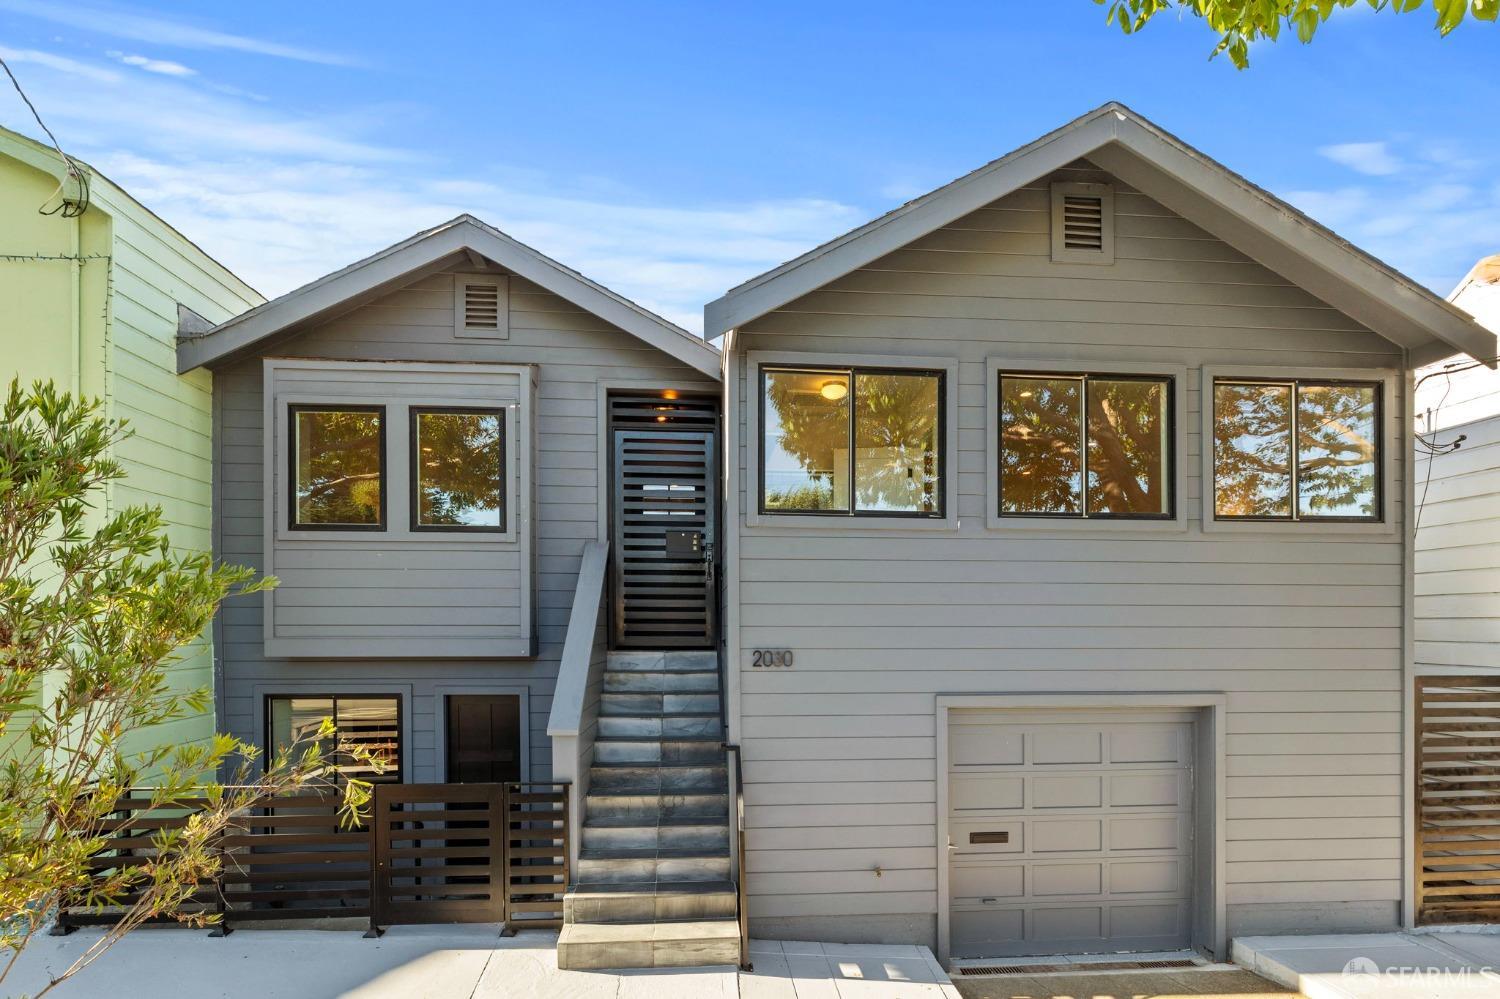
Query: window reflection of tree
{"points": [[1046, 443], [338, 467], [1335, 460]]}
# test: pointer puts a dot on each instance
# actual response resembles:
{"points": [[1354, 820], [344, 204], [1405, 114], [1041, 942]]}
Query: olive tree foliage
{"points": [[1242, 22], [94, 608]]}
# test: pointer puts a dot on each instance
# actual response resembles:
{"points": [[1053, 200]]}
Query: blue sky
{"points": [[671, 150]]}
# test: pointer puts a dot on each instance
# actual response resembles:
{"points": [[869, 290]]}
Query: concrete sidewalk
{"points": [[1445, 965], [450, 962]]}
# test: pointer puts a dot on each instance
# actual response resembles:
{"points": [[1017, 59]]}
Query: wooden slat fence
{"points": [[1458, 798], [451, 853]]}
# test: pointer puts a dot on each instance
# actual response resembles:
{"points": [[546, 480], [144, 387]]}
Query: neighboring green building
{"points": [[92, 303]]}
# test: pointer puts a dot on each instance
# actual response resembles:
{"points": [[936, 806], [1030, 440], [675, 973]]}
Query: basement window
{"points": [[367, 721], [1083, 223]]}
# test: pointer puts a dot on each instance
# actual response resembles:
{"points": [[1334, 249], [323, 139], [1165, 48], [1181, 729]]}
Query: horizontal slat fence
{"points": [[1458, 795], [453, 853], [537, 869]]}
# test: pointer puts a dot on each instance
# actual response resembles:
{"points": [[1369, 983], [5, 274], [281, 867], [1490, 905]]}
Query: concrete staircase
{"points": [[653, 886]]}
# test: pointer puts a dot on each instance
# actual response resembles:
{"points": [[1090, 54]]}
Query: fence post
{"points": [[378, 821], [502, 824]]}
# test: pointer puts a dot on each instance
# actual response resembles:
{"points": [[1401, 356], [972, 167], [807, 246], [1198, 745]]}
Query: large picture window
{"points": [[852, 441], [369, 721], [337, 467], [1296, 450], [458, 469], [1086, 446]]}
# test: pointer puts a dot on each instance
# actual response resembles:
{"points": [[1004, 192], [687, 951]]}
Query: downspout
{"points": [[1409, 802]]}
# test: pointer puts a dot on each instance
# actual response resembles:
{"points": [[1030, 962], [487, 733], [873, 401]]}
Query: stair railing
{"points": [[737, 828], [580, 680]]}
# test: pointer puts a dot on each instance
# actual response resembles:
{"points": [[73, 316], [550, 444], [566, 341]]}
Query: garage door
{"points": [[1069, 832]]}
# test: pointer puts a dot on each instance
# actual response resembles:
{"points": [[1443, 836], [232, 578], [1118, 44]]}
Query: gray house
{"points": [[433, 450], [1070, 591]]}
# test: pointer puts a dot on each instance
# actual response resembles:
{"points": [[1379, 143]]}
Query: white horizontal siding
{"points": [[1303, 632]]}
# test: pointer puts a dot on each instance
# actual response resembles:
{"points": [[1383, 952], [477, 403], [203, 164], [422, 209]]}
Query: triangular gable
{"points": [[1184, 180], [428, 252]]}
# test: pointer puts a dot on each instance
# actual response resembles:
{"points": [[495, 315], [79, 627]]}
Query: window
{"points": [[1084, 445], [458, 469], [1296, 450], [337, 467], [367, 720], [852, 441]]}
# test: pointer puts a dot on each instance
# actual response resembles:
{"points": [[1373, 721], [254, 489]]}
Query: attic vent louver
{"points": [[482, 306], [1083, 224]]}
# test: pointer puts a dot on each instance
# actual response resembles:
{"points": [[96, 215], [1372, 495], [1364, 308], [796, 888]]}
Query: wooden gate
{"points": [[1458, 799], [664, 531], [439, 854]]}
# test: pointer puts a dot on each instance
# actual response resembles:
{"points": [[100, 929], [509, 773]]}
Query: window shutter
{"points": [[481, 306], [1083, 225]]}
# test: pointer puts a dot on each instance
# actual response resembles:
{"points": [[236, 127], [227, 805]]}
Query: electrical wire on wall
{"points": [[1427, 443], [66, 208]]}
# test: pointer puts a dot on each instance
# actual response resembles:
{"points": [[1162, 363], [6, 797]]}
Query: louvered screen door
{"points": [[663, 538]]}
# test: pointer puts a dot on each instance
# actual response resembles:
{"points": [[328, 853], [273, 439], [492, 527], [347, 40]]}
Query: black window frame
{"points": [[396, 775], [852, 371], [414, 472], [1169, 475], [293, 409], [1294, 516]]}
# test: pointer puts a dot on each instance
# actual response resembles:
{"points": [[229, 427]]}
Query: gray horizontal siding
{"points": [[1458, 552], [1302, 632], [573, 351]]}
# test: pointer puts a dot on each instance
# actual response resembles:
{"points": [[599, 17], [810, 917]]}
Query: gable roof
{"points": [[1178, 176], [426, 253]]}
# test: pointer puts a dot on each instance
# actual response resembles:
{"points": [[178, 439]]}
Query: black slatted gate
{"points": [[665, 505]]}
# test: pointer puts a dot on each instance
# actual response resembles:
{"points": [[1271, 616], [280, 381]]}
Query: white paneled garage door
{"points": [[1069, 831]]}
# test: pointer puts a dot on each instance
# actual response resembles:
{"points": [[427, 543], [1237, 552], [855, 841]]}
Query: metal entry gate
{"points": [[665, 505], [1458, 799], [439, 854]]}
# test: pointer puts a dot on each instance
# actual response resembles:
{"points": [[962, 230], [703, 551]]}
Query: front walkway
{"points": [[444, 962], [1446, 965]]}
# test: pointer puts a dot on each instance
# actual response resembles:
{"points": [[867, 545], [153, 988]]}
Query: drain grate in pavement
{"points": [[987, 970]]}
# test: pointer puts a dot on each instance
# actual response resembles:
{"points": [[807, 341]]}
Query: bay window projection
{"points": [[1296, 450], [852, 441], [1085, 446]]}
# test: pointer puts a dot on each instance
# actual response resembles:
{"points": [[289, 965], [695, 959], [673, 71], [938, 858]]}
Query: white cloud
{"points": [[282, 200], [118, 22], [1371, 158], [163, 66]]}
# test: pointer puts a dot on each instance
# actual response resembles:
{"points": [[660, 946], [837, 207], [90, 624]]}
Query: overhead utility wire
{"points": [[67, 209]]}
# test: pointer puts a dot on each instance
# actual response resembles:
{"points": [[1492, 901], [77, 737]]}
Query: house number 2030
{"points": [[771, 658]]}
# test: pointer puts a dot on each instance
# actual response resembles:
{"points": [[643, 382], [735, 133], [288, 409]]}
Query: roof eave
{"points": [[432, 250]]}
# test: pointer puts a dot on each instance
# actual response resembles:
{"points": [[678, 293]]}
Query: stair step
{"points": [[640, 866], [655, 749], [648, 945], [663, 778], [663, 704], [616, 835], [673, 726], [639, 903], [653, 805], [640, 681], [655, 661]]}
